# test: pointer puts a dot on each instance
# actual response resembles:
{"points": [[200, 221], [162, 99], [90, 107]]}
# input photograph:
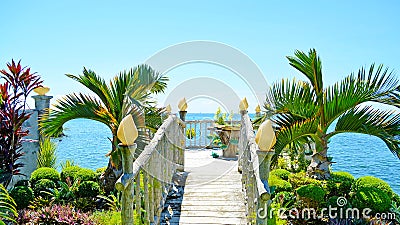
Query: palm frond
{"points": [[299, 131], [310, 65], [117, 90], [146, 81], [75, 106], [289, 95], [384, 124], [94, 83], [8, 207]]}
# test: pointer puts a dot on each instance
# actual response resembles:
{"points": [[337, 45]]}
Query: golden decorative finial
{"points": [[182, 105], [168, 108], [41, 90], [243, 105], [127, 131], [265, 137], [258, 109]]}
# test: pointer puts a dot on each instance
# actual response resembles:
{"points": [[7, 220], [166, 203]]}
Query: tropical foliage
{"points": [[304, 110], [341, 192], [129, 92], [19, 83], [47, 154], [8, 207]]}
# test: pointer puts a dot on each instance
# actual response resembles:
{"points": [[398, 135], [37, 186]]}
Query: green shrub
{"points": [[70, 172], [22, 183], [281, 173], [311, 191], [107, 217], [341, 176], [374, 198], [100, 171], [88, 189], [279, 184], [344, 188], [284, 198], [331, 188], [84, 204], [300, 179], [282, 163], [45, 173], [85, 175], [76, 172], [22, 195], [43, 185], [370, 181], [337, 189]]}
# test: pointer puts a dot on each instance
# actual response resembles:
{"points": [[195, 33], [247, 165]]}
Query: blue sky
{"points": [[59, 37]]}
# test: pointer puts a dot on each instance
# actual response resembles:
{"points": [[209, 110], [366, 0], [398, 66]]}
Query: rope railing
{"points": [[145, 182], [254, 165]]}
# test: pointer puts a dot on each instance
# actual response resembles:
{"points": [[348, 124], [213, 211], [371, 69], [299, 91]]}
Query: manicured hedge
{"points": [[22, 195], [300, 179], [279, 184], [370, 181], [374, 198], [43, 185], [281, 173], [311, 191], [76, 172], [341, 176], [88, 189], [44, 173], [69, 172], [86, 175]]}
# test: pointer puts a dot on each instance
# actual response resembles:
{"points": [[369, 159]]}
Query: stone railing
{"points": [[146, 181], [254, 165]]}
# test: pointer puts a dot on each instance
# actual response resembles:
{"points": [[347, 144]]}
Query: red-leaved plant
{"points": [[55, 214], [19, 82]]}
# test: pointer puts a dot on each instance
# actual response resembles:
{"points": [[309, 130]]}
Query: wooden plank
{"points": [[205, 213], [210, 203], [208, 220], [216, 198], [228, 209], [213, 198]]}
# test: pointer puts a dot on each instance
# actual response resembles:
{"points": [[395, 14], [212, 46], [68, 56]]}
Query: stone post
{"points": [[264, 160], [30, 144], [241, 145], [42, 102], [182, 115], [128, 153]]}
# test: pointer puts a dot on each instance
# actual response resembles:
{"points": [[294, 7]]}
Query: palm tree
{"points": [[304, 110], [129, 92]]}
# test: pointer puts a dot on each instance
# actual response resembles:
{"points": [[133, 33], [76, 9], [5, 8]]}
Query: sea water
{"points": [[87, 142]]}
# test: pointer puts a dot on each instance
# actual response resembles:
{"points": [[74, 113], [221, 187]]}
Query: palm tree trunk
{"points": [[320, 164], [110, 176], [114, 168]]}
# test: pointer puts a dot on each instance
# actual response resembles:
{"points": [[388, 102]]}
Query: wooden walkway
{"points": [[213, 191]]}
